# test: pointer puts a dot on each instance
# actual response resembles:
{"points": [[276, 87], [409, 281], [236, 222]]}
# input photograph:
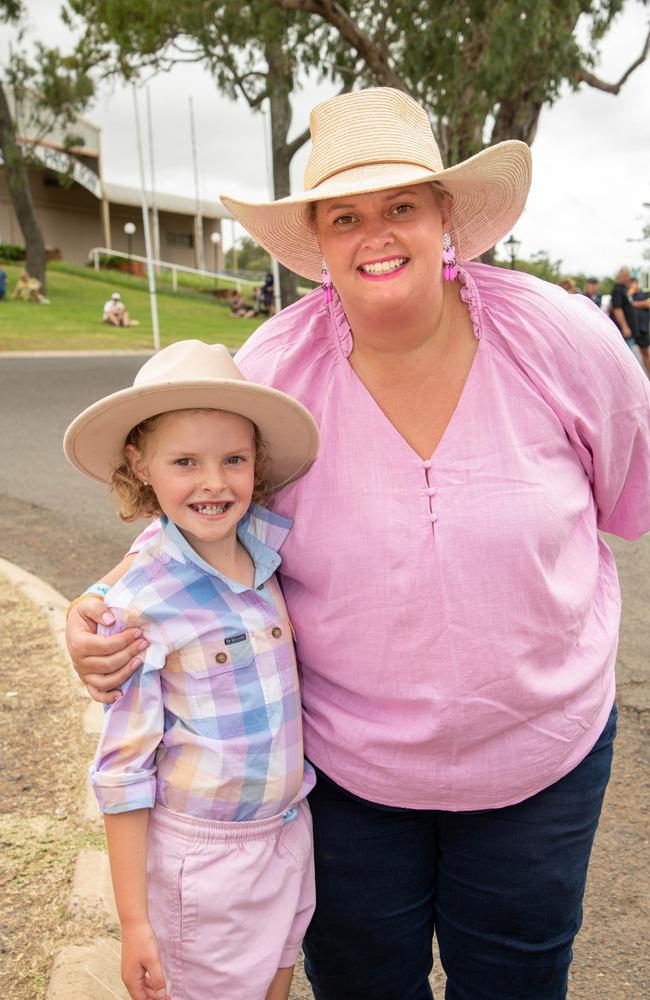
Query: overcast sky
{"points": [[591, 156]]}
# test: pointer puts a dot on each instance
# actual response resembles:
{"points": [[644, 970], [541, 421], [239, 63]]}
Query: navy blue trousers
{"points": [[501, 889]]}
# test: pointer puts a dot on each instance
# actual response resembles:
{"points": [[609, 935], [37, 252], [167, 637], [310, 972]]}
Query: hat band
{"points": [[372, 163]]}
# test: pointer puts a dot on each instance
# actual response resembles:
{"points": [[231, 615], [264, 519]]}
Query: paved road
{"points": [[61, 526], [53, 521]]}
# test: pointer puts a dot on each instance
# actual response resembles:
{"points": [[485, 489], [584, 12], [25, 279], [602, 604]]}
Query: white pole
{"points": [[234, 254], [154, 207], [268, 143], [147, 236], [200, 254]]}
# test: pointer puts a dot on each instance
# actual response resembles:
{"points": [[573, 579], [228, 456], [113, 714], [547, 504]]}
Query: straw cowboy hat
{"points": [[187, 375], [381, 138]]}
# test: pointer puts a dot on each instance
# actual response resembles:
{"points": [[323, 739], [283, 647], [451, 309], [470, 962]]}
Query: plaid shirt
{"points": [[210, 725]]}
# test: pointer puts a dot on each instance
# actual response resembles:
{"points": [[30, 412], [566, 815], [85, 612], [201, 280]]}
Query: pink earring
{"points": [[327, 283], [449, 266]]}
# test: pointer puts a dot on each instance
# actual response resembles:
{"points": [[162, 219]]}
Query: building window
{"points": [[180, 240]]}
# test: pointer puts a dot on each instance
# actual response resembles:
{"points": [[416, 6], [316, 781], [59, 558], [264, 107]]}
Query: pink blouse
{"points": [[457, 618]]}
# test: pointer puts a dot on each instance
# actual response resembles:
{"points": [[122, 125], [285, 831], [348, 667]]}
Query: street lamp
{"points": [[215, 240], [129, 229], [513, 246]]}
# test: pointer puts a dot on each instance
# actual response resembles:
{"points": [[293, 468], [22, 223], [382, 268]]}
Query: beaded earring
{"points": [[327, 283], [449, 266]]}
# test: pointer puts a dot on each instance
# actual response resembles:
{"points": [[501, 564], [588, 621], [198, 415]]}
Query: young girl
{"points": [[199, 770]]}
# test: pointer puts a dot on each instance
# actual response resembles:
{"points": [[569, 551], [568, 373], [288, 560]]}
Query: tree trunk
{"points": [[279, 89], [20, 194]]}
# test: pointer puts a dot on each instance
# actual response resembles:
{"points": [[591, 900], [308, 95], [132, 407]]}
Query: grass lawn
{"points": [[72, 320]]}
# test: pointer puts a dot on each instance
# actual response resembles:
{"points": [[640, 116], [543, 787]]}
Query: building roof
{"points": [[122, 194]]}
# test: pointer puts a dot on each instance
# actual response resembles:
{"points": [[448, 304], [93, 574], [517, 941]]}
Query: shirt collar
{"points": [[260, 531]]}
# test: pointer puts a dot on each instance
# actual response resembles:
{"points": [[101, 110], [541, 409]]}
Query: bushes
{"points": [[12, 253]]}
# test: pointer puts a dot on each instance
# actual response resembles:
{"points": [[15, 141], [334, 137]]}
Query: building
{"points": [[78, 209]]}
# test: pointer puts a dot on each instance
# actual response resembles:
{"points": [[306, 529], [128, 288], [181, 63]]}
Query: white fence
{"points": [[164, 265]]}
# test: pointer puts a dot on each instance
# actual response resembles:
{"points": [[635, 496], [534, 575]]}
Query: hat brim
{"points": [[488, 190], [94, 441]]}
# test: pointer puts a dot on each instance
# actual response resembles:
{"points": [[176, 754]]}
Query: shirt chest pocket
{"points": [[226, 658], [222, 652]]}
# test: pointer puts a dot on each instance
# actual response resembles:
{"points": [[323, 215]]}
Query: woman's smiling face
{"points": [[384, 247]]}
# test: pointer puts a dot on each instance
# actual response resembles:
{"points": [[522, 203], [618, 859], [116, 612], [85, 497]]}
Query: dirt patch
{"points": [[44, 755]]}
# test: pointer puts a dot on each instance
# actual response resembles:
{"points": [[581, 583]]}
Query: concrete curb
{"points": [[88, 972], [76, 354]]}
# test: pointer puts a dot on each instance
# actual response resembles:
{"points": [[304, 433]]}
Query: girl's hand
{"points": [[103, 662], [142, 972]]}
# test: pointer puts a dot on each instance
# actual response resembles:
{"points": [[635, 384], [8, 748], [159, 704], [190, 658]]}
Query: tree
{"points": [[252, 49], [250, 256], [540, 264], [482, 70], [62, 86]]}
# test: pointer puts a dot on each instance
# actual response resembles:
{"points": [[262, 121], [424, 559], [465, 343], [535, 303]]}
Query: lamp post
{"points": [[513, 246], [129, 229], [215, 240]]}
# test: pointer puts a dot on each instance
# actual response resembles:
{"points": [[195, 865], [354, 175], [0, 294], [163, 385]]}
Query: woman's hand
{"points": [[103, 662], [142, 972]]}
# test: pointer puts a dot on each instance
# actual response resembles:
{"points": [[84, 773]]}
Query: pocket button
{"points": [[221, 657], [276, 632]]}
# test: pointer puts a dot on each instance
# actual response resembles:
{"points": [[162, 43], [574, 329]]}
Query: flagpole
{"points": [[147, 235]]}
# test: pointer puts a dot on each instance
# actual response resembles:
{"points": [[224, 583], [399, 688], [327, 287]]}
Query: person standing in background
{"points": [[592, 291], [641, 303], [621, 310]]}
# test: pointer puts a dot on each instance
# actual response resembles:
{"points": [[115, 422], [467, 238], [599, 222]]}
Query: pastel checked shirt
{"points": [[210, 725]]}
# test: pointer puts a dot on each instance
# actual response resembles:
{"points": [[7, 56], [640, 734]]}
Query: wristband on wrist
{"points": [[98, 590]]}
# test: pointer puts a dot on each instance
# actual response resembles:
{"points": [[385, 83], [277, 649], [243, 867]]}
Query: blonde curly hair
{"points": [[136, 500]]}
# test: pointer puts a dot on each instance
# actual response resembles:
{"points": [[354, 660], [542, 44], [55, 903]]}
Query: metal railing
{"points": [[164, 265]]}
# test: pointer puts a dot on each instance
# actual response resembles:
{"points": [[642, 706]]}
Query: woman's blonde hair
{"points": [[136, 500]]}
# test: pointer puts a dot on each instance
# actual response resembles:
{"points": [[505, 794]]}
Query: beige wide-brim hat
{"points": [[380, 138], [188, 375]]}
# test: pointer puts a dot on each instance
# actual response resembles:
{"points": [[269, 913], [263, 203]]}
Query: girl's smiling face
{"points": [[384, 247], [201, 466]]}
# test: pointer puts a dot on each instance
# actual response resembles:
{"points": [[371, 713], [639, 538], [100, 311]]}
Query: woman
{"points": [[456, 611]]}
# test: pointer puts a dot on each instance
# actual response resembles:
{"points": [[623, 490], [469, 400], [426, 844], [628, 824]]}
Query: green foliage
{"points": [[539, 264], [250, 256], [229, 37], [109, 262], [62, 86], [482, 69], [11, 10], [9, 251]]}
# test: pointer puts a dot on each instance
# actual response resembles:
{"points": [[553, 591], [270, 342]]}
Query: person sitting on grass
{"points": [[115, 312], [28, 289], [239, 306]]}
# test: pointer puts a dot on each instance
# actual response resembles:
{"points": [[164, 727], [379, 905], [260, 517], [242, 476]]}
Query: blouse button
{"points": [[221, 657], [434, 518], [276, 632], [426, 464], [431, 491]]}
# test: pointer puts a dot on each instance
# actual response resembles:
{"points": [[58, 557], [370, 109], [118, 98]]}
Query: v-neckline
{"points": [[468, 297], [460, 402]]}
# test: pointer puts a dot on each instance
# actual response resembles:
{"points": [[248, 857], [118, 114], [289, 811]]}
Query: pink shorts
{"points": [[229, 902]]}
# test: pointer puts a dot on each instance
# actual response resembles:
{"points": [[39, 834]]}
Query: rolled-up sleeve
{"points": [[123, 772]]}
